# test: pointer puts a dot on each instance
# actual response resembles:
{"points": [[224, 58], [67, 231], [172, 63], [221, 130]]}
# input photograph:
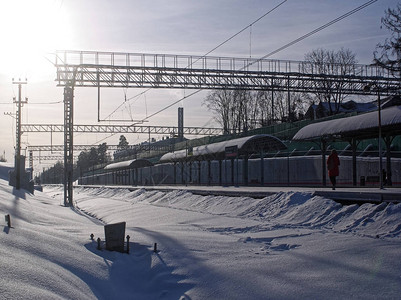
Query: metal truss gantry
{"points": [[50, 157], [171, 130], [52, 152], [130, 70], [58, 148], [138, 70]]}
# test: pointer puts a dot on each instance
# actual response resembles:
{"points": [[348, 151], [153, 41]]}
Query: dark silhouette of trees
{"points": [[123, 143], [242, 110], [341, 62], [94, 156], [53, 175], [388, 54], [220, 102], [102, 153]]}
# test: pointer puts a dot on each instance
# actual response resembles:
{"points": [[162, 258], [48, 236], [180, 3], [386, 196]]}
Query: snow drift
{"points": [[289, 245]]}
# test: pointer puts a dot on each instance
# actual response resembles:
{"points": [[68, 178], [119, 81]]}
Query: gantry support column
{"points": [[17, 162], [68, 144]]}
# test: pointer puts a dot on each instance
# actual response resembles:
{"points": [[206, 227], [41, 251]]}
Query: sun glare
{"points": [[30, 30]]}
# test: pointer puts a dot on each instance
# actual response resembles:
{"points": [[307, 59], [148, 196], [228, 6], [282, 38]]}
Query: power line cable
{"points": [[314, 31], [46, 103], [207, 53], [127, 100], [241, 31], [172, 104], [269, 54], [288, 44], [210, 51], [275, 51]]}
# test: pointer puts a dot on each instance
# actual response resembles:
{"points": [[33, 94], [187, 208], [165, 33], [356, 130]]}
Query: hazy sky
{"points": [[32, 30]]}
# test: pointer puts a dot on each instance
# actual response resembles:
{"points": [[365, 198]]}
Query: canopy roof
{"points": [[360, 126], [129, 164], [245, 145]]}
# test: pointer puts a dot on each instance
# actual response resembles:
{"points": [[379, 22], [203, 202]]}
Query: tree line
{"points": [[242, 110], [86, 160]]}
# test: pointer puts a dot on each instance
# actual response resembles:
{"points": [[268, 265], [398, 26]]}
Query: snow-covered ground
{"points": [[290, 245]]}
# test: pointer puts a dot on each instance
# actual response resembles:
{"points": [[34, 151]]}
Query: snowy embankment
{"points": [[285, 246]]}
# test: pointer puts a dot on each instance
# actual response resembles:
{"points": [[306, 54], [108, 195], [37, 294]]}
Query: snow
{"points": [[390, 117], [290, 245]]}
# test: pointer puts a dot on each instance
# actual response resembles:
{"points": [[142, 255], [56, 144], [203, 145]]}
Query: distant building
{"points": [[321, 110]]}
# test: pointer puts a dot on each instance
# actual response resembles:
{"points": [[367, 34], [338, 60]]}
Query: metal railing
{"points": [[171, 61]]}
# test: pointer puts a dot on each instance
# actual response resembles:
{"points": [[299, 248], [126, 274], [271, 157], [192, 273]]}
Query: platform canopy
{"points": [[361, 126], [242, 146], [129, 164]]}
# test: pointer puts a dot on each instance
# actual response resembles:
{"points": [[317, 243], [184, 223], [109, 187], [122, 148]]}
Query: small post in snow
{"points": [[128, 237], [8, 220]]}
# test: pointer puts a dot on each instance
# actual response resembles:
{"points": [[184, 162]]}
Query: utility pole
{"points": [[18, 134], [68, 143]]}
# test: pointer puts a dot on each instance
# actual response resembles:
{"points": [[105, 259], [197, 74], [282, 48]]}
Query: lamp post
{"points": [[367, 89]]}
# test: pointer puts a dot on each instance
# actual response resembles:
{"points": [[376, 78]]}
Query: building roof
{"points": [[129, 164], [245, 145], [361, 126]]}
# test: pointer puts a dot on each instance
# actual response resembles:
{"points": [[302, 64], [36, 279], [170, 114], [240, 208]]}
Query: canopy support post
{"points": [[354, 175], [388, 140], [323, 147]]}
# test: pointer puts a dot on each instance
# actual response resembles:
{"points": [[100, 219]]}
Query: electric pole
{"points": [[18, 134]]}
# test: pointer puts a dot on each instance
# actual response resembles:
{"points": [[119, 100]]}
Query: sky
{"points": [[289, 245], [32, 31]]}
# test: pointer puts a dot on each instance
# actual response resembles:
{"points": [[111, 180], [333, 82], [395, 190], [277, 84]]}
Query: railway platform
{"points": [[344, 195]]}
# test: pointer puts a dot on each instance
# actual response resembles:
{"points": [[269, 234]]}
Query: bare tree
{"points": [[264, 100], [220, 102], [243, 110], [388, 54], [329, 62]]}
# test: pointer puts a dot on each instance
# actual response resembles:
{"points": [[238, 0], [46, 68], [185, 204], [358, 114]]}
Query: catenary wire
{"points": [[187, 96], [289, 44], [207, 53]]}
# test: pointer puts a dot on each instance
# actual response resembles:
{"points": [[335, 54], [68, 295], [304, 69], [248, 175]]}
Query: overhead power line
{"points": [[242, 30], [281, 48], [269, 54], [207, 53], [316, 30]]}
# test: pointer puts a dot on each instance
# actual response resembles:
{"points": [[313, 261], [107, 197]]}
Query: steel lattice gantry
{"points": [[58, 148], [172, 130], [130, 70], [49, 157]]}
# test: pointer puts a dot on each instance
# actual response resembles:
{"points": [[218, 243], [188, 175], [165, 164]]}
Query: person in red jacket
{"points": [[332, 166]]}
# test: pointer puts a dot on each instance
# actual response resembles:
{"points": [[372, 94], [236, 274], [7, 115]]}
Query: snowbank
{"points": [[289, 245]]}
